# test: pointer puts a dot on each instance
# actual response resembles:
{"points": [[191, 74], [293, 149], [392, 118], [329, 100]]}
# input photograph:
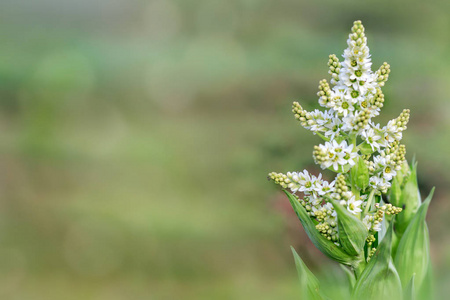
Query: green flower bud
{"points": [[413, 251], [409, 201], [360, 174], [308, 282], [352, 232], [325, 246], [380, 279]]}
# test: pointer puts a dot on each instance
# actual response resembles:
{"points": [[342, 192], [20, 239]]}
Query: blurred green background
{"points": [[136, 136]]}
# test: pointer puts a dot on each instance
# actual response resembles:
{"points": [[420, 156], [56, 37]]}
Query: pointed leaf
{"points": [[413, 251], [379, 280], [308, 282], [360, 174], [352, 232], [409, 201], [425, 291], [409, 292], [396, 192], [325, 246]]}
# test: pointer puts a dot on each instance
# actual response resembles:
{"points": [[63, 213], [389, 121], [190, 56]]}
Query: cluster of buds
{"points": [[335, 67], [401, 121], [383, 73], [324, 93], [280, 179], [378, 100], [350, 218], [370, 239], [388, 209], [371, 253]]}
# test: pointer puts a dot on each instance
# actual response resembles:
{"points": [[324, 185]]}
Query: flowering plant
{"points": [[370, 218]]}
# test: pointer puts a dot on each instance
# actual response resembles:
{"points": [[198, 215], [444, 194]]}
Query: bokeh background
{"points": [[136, 136]]}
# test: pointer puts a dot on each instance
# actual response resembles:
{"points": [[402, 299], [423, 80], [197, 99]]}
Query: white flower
{"points": [[337, 151], [320, 118], [337, 154], [380, 184], [366, 221], [354, 96], [294, 185], [334, 128], [389, 172], [315, 201], [365, 84], [317, 183], [371, 138], [349, 156], [392, 132], [348, 122], [345, 106], [300, 181], [371, 224], [326, 188], [305, 181], [376, 226], [353, 205], [330, 207]]}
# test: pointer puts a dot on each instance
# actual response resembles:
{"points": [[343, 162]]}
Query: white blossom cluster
{"points": [[315, 189], [335, 155], [346, 126]]}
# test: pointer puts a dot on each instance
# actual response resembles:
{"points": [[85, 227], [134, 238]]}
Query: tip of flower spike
{"points": [[402, 120], [357, 31], [279, 178], [357, 25], [299, 112]]}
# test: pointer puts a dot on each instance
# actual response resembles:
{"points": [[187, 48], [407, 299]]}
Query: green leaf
{"points": [[325, 246], [379, 280], [340, 139], [360, 174], [352, 232], [413, 251], [404, 170], [409, 201], [350, 276], [409, 292], [396, 192], [308, 282], [365, 148], [425, 291]]}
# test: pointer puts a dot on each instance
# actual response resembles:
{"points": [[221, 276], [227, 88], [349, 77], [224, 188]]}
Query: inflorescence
{"points": [[351, 100]]}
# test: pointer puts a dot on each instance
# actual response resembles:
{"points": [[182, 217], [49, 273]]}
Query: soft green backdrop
{"points": [[135, 138]]}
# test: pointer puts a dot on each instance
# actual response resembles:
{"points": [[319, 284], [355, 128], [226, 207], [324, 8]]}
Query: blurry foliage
{"points": [[136, 136]]}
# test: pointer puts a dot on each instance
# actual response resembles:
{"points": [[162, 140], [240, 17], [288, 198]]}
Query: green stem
{"points": [[369, 201], [353, 139], [359, 268], [323, 137]]}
